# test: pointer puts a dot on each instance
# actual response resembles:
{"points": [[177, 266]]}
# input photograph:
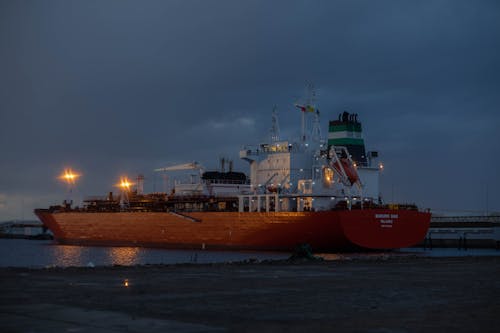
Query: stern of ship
{"points": [[385, 228]]}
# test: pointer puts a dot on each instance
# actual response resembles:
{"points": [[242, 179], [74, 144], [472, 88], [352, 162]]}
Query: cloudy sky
{"points": [[121, 87]]}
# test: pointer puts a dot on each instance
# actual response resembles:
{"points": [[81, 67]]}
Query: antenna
{"points": [[311, 94], [275, 127]]}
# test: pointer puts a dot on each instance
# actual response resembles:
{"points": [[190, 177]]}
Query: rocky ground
{"points": [[407, 294]]}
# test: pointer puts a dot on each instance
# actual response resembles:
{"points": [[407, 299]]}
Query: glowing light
{"points": [[355, 165], [328, 175], [69, 176], [125, 283], [381, 166], [124, 184]]}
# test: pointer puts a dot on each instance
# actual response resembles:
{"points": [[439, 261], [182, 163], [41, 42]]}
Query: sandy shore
{"points": [[369, 295]]}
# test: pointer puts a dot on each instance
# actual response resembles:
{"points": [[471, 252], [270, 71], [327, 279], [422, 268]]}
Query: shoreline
{"points": [[340, 258], [390, 294], [293, 259]]}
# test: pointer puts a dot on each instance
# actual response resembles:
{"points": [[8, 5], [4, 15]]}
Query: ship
{"points": [[323, 192]]}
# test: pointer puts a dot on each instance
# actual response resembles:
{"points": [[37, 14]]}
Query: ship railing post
{"points": [[276, 202], [240, 203], [349, 199], [267, 203], [361, 197]]}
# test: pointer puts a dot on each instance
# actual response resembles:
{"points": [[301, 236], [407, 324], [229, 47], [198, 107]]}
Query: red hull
{"points": [[324, 231]]}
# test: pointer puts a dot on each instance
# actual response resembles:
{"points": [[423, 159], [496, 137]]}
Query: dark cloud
{"points": [[121, 87]]}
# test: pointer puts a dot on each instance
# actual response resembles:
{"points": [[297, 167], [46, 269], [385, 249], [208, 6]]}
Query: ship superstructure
{"points": [[316, 174]]}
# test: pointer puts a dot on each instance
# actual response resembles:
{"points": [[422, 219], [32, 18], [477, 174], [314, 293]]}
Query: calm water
{"points": [[38, 254], [34, 253]]}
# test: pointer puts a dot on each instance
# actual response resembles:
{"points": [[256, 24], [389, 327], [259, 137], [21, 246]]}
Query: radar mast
{"points": [[275, 127]]}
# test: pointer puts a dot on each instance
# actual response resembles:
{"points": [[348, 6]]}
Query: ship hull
{"points": [[279, 231]]}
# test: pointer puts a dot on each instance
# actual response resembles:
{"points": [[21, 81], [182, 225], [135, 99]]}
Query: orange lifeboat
{"points": [[349, 169]]}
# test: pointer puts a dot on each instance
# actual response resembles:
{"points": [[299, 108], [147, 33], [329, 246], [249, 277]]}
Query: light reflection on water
{"points": [[124, 256], [28, 253], [72, 255], [66, 255]]}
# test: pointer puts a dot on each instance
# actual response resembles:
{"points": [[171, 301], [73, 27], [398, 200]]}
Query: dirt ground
{"points": [[369, 295]]}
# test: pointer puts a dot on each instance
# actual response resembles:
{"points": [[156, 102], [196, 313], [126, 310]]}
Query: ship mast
{"points": [[308, 106], [275, 127], [316, 130]]}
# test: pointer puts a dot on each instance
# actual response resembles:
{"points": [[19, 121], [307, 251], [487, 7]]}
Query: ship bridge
{"points": [[248, 152]]}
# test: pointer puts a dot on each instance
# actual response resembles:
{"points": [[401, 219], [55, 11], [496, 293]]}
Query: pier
{"points": [[464, 232], [24, 230]]}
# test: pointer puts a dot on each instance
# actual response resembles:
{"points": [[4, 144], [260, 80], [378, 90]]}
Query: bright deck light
{"points": [[125, 184], [69, 176]]}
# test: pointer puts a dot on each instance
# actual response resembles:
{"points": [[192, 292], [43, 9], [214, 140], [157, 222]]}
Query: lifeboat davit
{"points": [[349, 169], [272, 189]]}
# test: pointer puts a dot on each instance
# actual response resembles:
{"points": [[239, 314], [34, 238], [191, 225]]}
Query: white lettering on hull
{"points": [[386, 220]]}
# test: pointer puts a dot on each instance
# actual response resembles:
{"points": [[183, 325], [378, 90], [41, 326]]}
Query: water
{"points": [[39, 254], [451, 252]]}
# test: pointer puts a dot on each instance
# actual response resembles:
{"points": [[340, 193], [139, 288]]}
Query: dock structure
{"points": [[23, 229], [464, 232]]}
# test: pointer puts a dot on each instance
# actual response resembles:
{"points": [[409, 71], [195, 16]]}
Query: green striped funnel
{"points": [[347, 132]]}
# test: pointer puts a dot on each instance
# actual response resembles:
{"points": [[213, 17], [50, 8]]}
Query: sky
{"points": [[123, 87]]}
